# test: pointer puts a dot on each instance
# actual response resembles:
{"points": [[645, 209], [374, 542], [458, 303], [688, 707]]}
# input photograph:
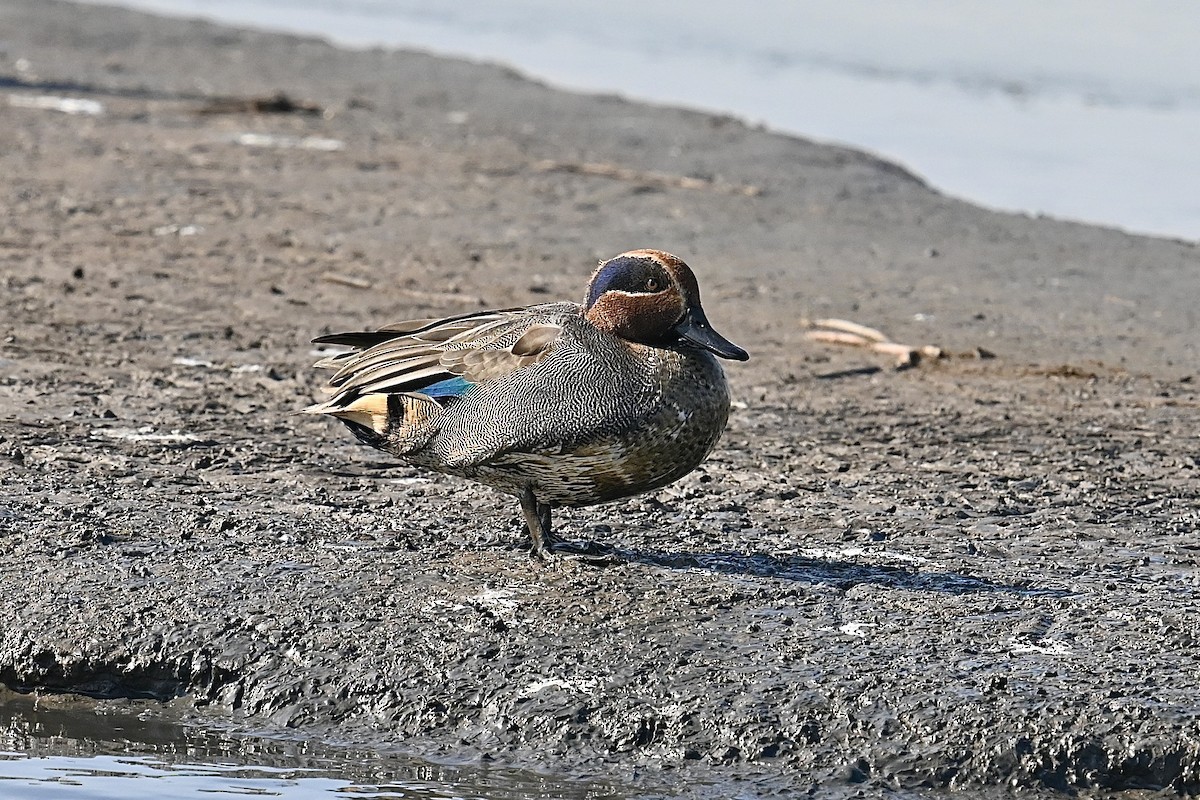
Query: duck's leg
{"points": [[547, 545], [537, 519]]}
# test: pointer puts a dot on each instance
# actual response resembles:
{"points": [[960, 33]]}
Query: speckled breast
{"points": [[668, 437], [601, 419]]}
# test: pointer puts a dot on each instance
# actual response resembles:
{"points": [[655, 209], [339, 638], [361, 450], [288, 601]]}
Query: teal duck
{"points": [[558, 404]]}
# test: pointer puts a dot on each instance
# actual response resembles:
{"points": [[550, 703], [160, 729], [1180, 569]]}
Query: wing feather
{"points": [[449, 355]]}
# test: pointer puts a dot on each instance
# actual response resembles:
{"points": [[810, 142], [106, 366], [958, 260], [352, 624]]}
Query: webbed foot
{"points": [[547, 546]]}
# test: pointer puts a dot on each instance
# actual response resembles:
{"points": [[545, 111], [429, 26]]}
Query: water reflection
{"points": [[64, 746]]}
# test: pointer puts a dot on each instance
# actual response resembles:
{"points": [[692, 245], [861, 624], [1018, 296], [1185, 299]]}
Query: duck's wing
{"points": [[440, 359]]}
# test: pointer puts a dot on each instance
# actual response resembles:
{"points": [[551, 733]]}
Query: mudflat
{"points": [[980, 571]]}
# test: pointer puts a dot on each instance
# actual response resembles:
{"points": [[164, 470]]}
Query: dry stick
{"points": [[650, 178], [851, 327], [840, 331], [347, 280], [278, 103]]}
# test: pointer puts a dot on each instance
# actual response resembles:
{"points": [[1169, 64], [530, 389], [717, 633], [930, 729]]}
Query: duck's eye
{"points": [[653, 285]]}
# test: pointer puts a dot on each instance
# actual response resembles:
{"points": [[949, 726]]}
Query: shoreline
{"points": [[1064, 151], [973, 573]]}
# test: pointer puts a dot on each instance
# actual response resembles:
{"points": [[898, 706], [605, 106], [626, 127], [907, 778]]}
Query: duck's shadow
{"points": [[842, 574]]}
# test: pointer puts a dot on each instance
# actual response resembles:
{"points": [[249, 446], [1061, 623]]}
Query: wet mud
{"points": [[974, 573]]}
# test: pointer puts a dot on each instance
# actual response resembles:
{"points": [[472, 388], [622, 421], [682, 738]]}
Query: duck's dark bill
{"points": [[694, 328]]}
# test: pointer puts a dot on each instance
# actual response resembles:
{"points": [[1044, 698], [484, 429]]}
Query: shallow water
{"points": [[64, 747], [1084, 109]]}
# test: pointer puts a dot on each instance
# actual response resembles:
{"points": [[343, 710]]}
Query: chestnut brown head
{"points": [[651, 297]]}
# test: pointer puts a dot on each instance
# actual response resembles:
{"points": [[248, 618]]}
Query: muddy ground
{"points": [[981, 572]]}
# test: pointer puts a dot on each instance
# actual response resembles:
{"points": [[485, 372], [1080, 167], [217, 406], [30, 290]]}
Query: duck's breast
{"points": [[598, 419]]}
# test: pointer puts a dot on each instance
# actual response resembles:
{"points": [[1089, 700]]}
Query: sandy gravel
{"points": [[980, 572]]}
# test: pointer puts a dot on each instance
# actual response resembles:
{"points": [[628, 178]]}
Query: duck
{"points": [[558, 404]]}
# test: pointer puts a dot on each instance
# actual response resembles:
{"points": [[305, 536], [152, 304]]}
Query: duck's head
{"points": [[651, 297]]}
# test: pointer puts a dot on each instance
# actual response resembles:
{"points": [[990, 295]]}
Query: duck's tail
{"points": [[398, 422], [366, 411]]}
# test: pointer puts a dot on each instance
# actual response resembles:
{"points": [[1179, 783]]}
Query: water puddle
{"points": [[60, 746]]}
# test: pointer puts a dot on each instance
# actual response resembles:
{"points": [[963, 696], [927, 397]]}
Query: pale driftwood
{"points": [[845, 332], [851, 328], [659, 179], [347, 280]]}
